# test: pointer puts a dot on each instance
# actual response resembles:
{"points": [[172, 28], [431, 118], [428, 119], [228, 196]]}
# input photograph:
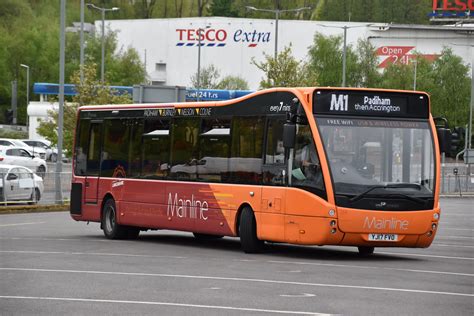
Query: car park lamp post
{"points": [[344, 49], [102, 10], [27, 89], [277, 17]]}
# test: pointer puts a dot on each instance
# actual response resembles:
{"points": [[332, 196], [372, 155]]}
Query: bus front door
{"points": [[93, 162], [272, 208]]}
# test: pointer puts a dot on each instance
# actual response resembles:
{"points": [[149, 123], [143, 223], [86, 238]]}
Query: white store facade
{"points": [[170, 47]]}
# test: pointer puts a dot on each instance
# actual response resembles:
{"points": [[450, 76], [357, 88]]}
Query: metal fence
{"points": [[455, 180]]}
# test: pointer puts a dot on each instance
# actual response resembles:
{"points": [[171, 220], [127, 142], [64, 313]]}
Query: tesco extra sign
{"points": [[218, 37]]}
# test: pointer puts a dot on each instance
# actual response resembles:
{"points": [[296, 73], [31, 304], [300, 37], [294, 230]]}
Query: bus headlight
{"points": [[332, 212], [433, 226], [332, 223], [436, 216]]}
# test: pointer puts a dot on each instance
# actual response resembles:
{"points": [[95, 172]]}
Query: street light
{"points": [[277, 15], [344, 51], [102, 10], [198, 88], [27, 89], [471, 107]]}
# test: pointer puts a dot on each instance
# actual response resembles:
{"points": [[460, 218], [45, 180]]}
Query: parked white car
{"points": [[51, 152], [23, 157], [9, 142], [18, 183]]}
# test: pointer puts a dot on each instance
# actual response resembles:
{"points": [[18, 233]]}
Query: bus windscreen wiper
{"points": [[386, 186]]}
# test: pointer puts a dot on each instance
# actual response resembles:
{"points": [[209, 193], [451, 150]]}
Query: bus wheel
{"points": [[365, 251], [206, 236], [112, 230], [248, 232]]}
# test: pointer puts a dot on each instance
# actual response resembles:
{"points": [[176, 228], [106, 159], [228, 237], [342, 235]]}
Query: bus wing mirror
{"points": [[444, 139], [289, 135]]}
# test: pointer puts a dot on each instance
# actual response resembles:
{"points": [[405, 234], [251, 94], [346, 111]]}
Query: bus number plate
{"points": [[383, 237]]}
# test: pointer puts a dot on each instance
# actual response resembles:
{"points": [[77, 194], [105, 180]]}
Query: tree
{"points": [[450, 96], [369, 76], [325, 61], [89, 92], [210, 79], [233, 83], [284, 71], [222, 8]]}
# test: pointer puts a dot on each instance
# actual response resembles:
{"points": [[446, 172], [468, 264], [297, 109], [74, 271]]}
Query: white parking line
{"points": [[451, 245], [367, 267], [463, 229], [243, 309], [20, 224], [200, 277], [455, 237], [87, 254], [420, 255]]}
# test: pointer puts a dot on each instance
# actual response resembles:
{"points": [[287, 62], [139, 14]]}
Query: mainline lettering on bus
{"points": [[391, 223], [186, 208], [309, 166]]}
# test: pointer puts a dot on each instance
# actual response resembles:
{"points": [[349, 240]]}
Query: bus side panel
{"points": [[143, 204], [304, 203]]}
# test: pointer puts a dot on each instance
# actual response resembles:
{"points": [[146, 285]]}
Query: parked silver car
{"points": [[10, 142], [19, 184], [23, 157]]}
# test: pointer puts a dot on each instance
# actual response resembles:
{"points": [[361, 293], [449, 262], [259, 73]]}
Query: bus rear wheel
{"points": [[248, 232], [112, 229], [366, 251]]}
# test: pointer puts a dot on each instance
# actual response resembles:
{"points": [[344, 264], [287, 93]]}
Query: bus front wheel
{"points": [[112, 230], [248, 232], [366, 251]]}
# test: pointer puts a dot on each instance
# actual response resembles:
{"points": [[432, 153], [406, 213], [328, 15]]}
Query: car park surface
{"points": [[53, 265]]}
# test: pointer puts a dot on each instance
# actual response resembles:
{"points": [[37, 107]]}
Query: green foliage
{"points": [[4, 133], [384, 11], [446, 80], [210, 79], [450, 93], [284, 71], [222, 8], [325, 61], [208, 76], [89, 92], [232, 83]]}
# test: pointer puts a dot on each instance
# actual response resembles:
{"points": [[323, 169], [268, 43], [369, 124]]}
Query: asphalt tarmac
{"points": [[52, 265]]}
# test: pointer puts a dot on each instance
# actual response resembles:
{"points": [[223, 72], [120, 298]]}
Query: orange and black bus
{"points": [[313, 166]]}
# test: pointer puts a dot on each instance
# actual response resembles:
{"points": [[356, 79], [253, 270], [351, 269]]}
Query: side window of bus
{"points": [[214, 150], [82, 141], [94, 142], [307, 171], [114, 162], [184, 148], [275, 152], [274, 167], [245, 164], [155, 149], [135, 148]]}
